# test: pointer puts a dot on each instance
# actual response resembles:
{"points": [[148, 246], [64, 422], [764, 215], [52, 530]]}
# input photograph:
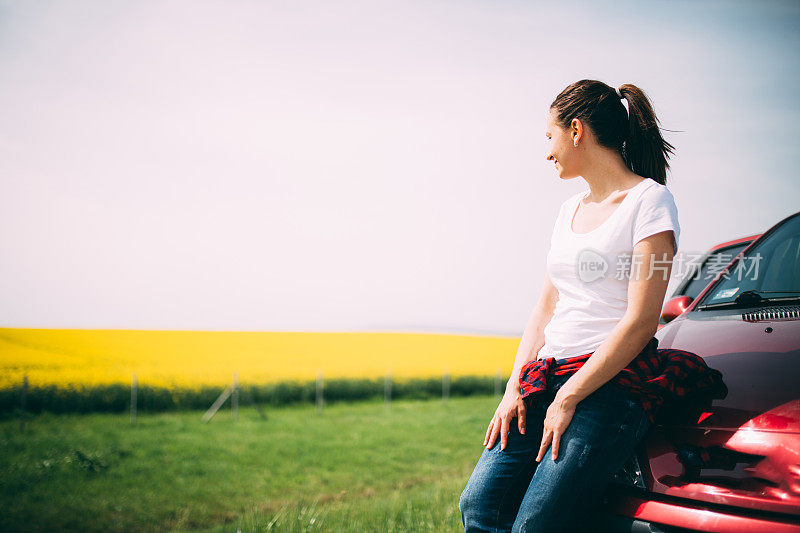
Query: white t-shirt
{"points": [[591, 270]]}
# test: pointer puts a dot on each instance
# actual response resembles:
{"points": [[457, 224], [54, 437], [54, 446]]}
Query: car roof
{"points": [[740, 240]]}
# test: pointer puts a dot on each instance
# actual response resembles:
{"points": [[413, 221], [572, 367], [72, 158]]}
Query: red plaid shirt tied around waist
{"points": [[654, 375]]}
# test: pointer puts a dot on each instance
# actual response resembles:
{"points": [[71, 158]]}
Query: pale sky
{"points": [[353, 165]]}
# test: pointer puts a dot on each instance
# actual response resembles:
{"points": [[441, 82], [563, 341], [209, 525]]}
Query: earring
{"points": [[576, 144]]}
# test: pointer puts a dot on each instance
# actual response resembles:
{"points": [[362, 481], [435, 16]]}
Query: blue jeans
{"points": [[509, 491]]}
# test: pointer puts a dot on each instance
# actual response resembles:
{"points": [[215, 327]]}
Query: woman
{"points": [[578, 418]]}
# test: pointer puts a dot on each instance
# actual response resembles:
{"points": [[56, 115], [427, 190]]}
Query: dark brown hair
{"points": [[637, 137]]}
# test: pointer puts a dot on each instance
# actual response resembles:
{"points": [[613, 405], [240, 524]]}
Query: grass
{"points": [[352, 467]]}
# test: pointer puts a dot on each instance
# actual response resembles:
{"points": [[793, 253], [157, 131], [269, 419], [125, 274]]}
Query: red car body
{"points": [[732, 465]]}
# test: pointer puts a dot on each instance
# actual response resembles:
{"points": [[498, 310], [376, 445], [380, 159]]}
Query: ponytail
{"points": [[634, 134], [645, 152]]}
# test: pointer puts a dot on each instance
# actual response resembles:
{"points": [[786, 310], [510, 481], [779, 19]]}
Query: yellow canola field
{"points": [[72, 357]]}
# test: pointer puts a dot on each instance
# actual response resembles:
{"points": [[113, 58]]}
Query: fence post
{"points": [[497, 382], [445, 386], [319, 391], [235, 397], [134, 392], [387, 390], [22, 403], [217, 403]]}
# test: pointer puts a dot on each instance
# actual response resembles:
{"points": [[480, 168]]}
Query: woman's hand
{"points": [[559, 415], [511, 406]]}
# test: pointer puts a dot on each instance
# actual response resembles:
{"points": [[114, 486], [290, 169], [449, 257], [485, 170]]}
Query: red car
{"points": [[730, 464]]}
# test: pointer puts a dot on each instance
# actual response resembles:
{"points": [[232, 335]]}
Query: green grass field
{"points": [[352, 467]]}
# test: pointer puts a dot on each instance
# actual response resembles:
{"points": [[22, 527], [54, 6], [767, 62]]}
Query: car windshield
{"points": [[770, 270], [702, 276]]}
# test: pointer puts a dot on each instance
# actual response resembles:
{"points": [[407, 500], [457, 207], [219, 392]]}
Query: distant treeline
{"points": [[117, 398]]}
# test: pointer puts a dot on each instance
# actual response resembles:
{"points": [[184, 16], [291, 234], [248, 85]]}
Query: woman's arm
{"points": [[652, 258], [533, 336]]}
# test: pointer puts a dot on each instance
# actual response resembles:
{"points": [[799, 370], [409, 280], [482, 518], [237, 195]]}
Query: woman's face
{"points": [[561, 150]]}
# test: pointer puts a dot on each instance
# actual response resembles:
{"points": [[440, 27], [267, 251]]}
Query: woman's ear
{"points": [[575, 130]]}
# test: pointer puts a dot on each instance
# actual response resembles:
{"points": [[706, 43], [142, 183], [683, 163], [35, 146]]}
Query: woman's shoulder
{"points": [[655, 194], [655, 212]]}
